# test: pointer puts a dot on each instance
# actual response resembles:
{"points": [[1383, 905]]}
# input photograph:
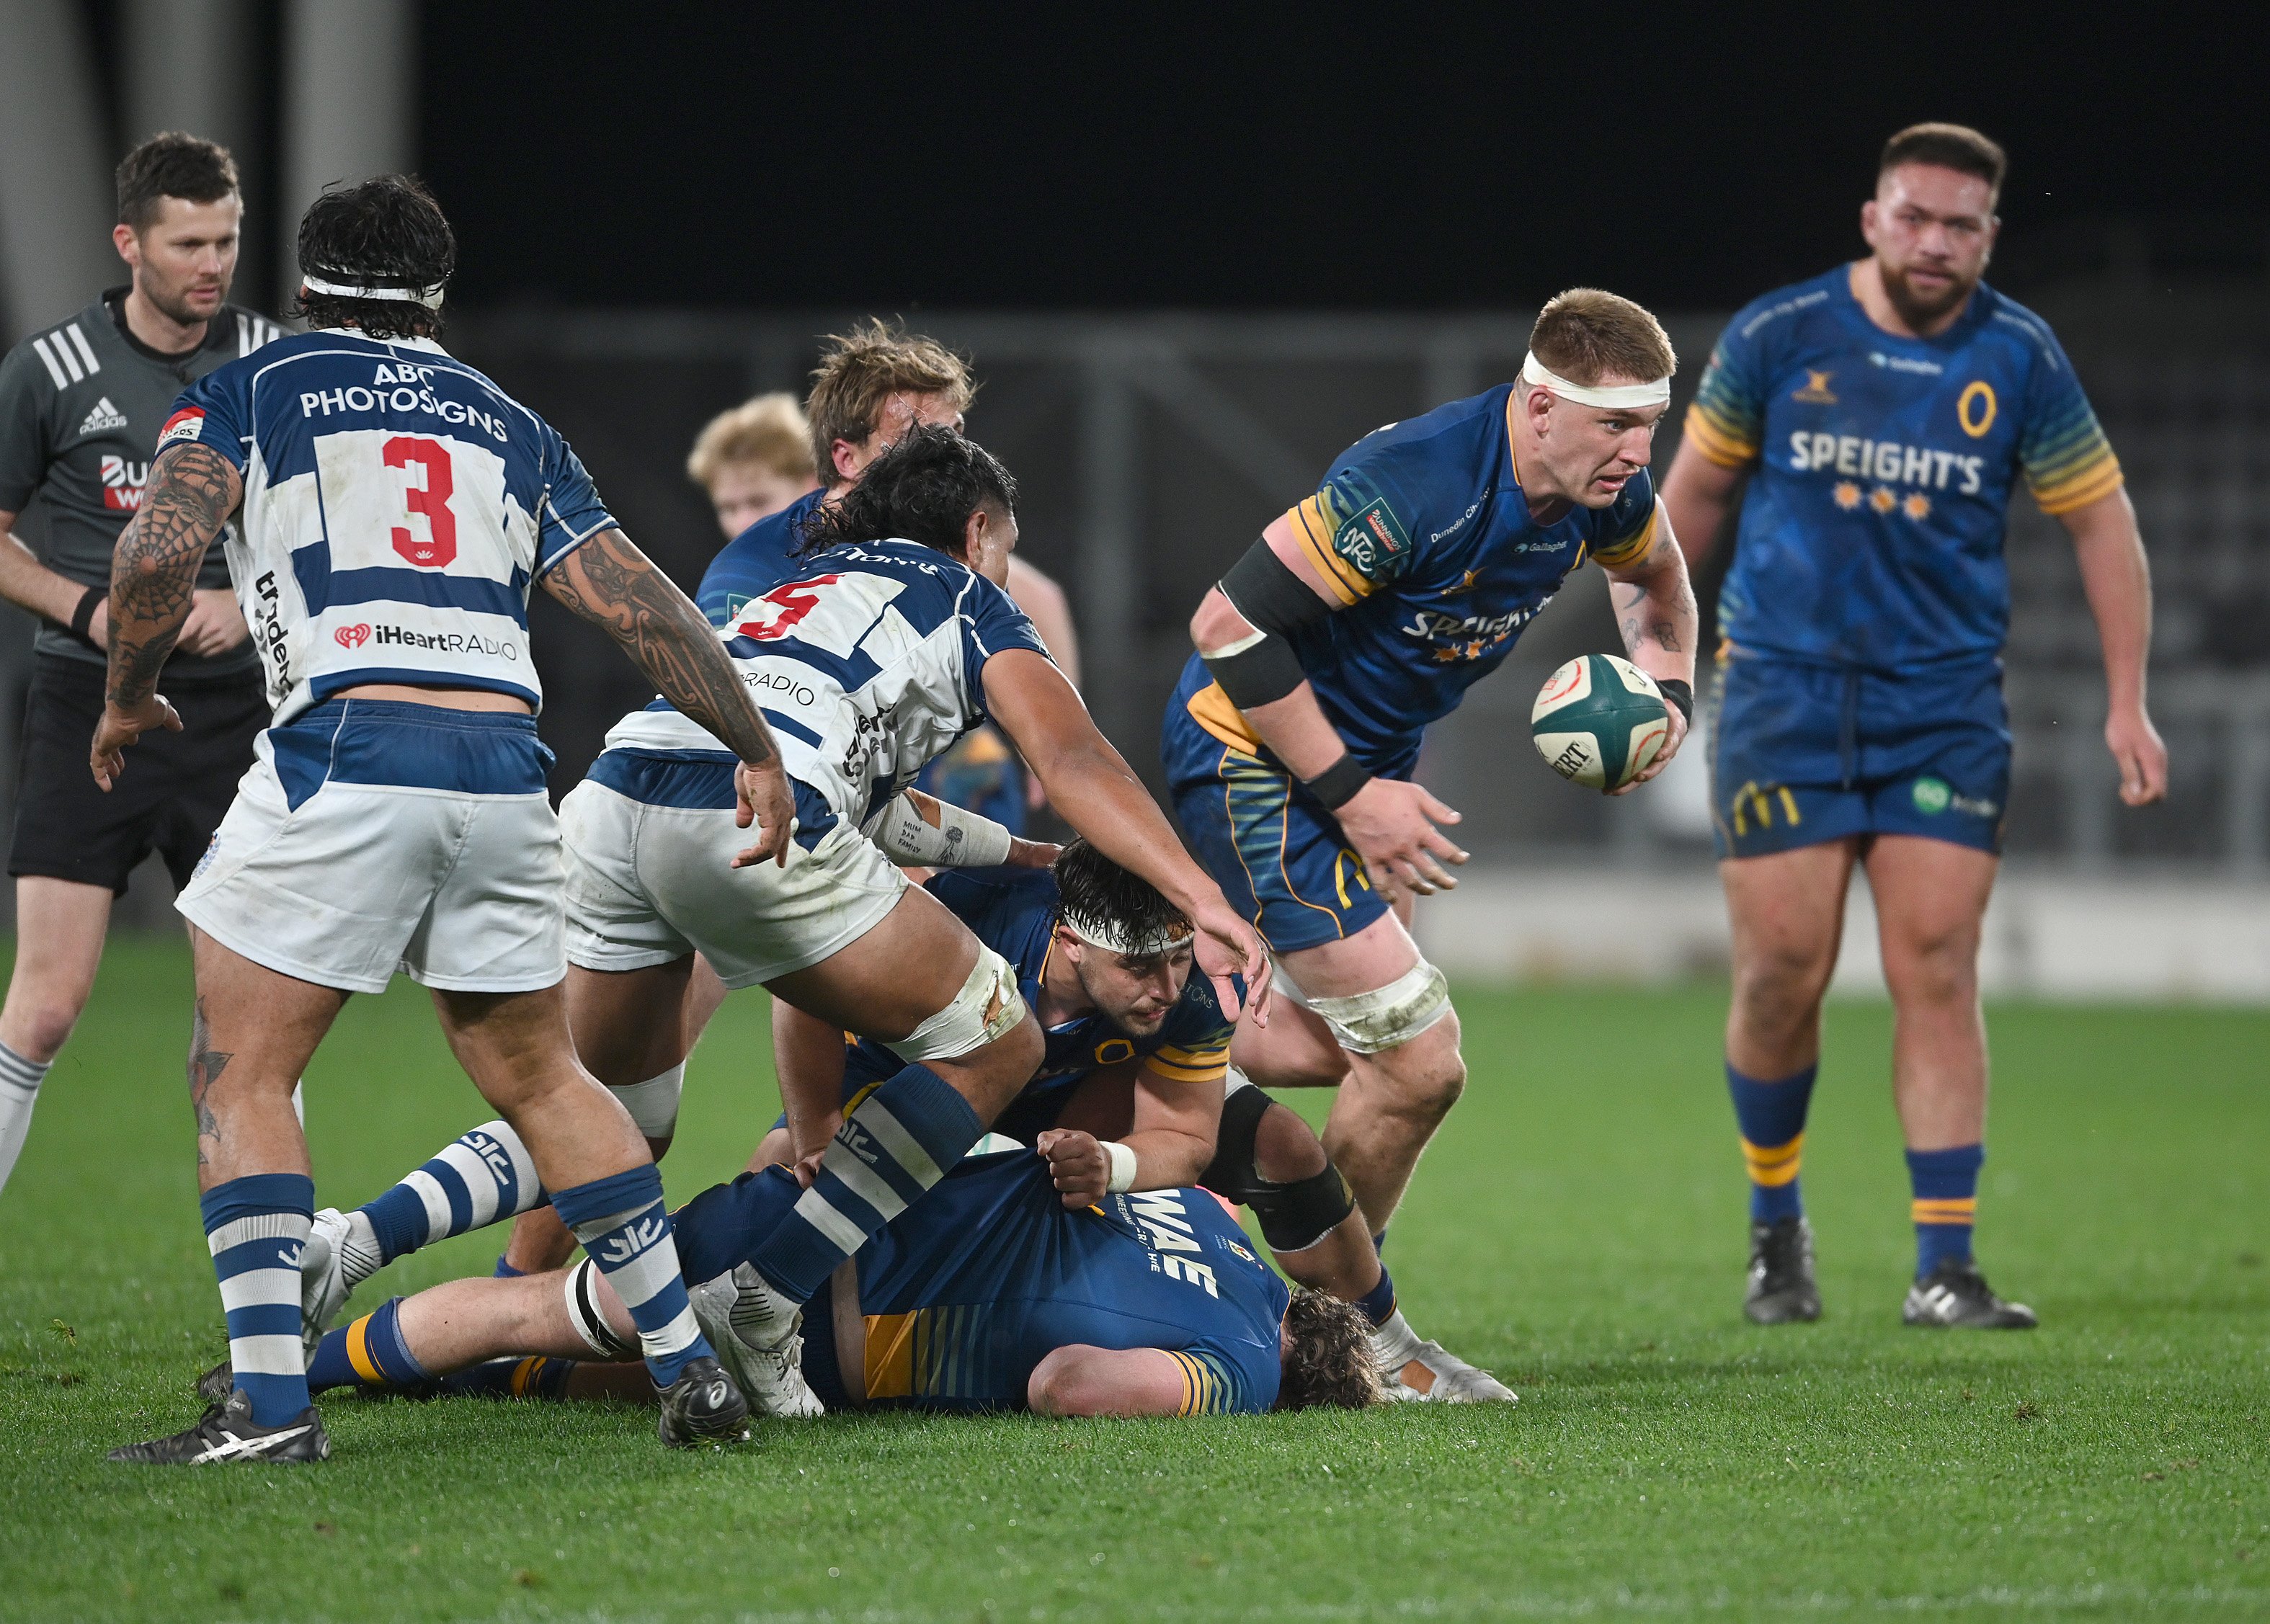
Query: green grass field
{"points": [[1578, 1227]]}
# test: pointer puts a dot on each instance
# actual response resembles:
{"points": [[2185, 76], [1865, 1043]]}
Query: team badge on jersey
{"points": [[1816, 391], [1370, 536]]}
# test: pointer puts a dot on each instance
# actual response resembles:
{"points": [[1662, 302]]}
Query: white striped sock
{"points": [[19, 1091]]}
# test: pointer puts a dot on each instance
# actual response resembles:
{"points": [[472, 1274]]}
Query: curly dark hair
{"points": [[1091, 885], [389, 232], [1329, 1362], [923, 489], [171, 164]]}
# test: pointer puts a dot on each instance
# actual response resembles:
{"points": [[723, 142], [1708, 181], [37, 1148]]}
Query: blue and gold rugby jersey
{"points": [[1421, 531], [988, 1274], [1872, 532], [1013, 911]]}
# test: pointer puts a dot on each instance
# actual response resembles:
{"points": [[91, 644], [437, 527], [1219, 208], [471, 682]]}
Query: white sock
{"points": [[19, 1091], [1394, 1344]]}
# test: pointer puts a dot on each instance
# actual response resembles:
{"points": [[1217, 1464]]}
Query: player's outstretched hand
{"points": [[766, 800], [1032, 852], [1671, 742], [121, 726], [1077, 1163], [1226, 946], [1391, 825], [2135, 745]]}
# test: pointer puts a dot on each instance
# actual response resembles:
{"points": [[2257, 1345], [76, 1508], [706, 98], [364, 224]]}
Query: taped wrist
{"points": [[1337, 785], [1293, 1216], [1122, 1158], [916, 828], [1262, 667], [1679, 693]]}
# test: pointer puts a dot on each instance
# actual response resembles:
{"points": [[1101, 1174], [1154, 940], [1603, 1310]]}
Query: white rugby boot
{"points": [[1412, 1368], [341, 1253], [758, 1336]]}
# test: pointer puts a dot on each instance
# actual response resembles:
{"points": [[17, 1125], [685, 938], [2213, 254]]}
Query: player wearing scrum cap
{"points": [[1363, 614], [1882, 414]]}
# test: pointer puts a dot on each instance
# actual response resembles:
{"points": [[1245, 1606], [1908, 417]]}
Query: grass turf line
{"points": [[1578, 1227]]}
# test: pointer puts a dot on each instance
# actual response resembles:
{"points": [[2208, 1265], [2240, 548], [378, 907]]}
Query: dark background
{"points": [[1356, 157]]}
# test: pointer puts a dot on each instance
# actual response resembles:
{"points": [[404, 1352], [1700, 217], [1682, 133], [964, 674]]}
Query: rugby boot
{"points": [[1781, 1289], [215, 1385], [758, 1334], [227, 1432], [1955, 1296], [1412, 1367], [703, 1406]]}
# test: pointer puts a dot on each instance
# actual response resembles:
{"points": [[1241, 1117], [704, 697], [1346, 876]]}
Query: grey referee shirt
{"points": [[80, 408]]}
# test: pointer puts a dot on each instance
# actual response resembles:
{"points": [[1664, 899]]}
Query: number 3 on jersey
{"points": [[430, 502]]}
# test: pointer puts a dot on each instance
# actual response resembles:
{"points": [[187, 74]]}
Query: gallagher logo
{"points": [[352, 636]]}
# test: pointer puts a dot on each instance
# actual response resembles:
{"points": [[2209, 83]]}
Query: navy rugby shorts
{"points": [[1802, 754]]}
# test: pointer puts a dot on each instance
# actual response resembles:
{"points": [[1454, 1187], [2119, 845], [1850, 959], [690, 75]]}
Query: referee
{"points": [[81, 404]]}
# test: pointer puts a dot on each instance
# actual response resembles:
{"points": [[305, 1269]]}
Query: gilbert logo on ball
{"points": [[1599, 720]]}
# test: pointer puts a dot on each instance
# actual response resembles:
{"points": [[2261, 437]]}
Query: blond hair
{"points": [[768, 432], [1586, 335], [859, 371]]}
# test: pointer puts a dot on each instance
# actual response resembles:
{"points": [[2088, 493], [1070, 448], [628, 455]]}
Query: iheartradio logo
{"points": [[352, 636]]}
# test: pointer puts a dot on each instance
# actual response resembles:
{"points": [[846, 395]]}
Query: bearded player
{"points": [[1362, 615], [1882, 414]]}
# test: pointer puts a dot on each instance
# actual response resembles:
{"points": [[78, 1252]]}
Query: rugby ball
{"points": [[1598, 720]]}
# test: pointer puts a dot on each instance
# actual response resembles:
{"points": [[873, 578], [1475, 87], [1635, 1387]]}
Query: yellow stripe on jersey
{"points": [[1179, 1065], [2091, 481], [1313, 527], [1628, 549], [1211, 709], [890, 1355], [358, 1351], [1719, 439]]}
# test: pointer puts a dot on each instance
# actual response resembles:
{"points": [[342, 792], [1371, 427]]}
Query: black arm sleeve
{"points": [[1276, 602]]}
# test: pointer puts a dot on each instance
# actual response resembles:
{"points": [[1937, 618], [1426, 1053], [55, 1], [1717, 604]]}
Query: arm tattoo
{"points": [[614, 586], [1640, 615], [153, 573]]}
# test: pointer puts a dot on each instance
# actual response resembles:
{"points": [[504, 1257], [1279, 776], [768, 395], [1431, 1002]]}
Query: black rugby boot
{"points": [[703, 1406], [227, 1432], [1955, 1296], [1781, 1289]]}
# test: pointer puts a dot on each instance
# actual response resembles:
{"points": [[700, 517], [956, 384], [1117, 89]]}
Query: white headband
{"points": [[1101, 933], [430, 297], [1614, 395]]}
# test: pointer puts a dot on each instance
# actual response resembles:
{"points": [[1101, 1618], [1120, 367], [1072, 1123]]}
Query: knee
{"points": [[44, 1024], [1426, 1076], [1779, 986], [1285, 1148], [1933, 967]]}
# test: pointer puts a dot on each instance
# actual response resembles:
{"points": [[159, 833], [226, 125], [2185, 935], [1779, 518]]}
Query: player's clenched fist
{"points": [[1078, 1163], [1391, 825]]}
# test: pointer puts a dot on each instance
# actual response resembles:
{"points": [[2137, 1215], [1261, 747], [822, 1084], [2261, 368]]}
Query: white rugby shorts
{"points": [[649, 883], [371, 836]]}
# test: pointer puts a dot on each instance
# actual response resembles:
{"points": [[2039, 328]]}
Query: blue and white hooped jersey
{"points": [[867, 660], [397, 508]]}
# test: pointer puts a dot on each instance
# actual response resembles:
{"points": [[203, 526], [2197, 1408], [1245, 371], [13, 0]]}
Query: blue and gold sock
{"points": [[512, 1378], [1378, 1304], [1771, 1117], [369, 1352], [1945, 1183]]}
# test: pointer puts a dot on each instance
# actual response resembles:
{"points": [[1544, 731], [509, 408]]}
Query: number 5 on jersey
{"points": [[429, 501]]}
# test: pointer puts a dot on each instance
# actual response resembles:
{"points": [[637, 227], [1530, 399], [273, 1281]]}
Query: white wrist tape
{"points": [[958, 838], [1123, 1166], [1610, 396]]}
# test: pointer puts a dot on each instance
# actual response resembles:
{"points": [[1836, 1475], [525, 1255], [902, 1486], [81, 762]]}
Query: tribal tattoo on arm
{"points": [[608, 581], [153, 572]]}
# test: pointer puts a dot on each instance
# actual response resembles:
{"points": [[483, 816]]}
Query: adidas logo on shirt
{"points": [[103, 418]]}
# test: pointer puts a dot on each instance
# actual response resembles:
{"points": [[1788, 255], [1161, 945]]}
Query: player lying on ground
{"points": [[1129, 1094], [393, 507], [990, 1294], [1360, 617], [871, 653], [1882, 414]]}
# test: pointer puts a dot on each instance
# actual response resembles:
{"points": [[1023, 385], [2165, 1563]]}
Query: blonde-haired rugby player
{"points": [[1363, 614]]}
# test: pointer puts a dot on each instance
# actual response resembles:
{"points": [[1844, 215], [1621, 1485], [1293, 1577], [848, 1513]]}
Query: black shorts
{"points": [[171, 797]]}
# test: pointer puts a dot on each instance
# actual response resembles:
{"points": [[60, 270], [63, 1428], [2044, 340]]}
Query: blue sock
{"points": [[1379, 1302], [505, 1271], [255, 1227], [1379, 1243], [893, 1147], [370, 1352], [623, 1225], [485, 1176], [1945, 1183], [512, 1378], [1771, 1117]]}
